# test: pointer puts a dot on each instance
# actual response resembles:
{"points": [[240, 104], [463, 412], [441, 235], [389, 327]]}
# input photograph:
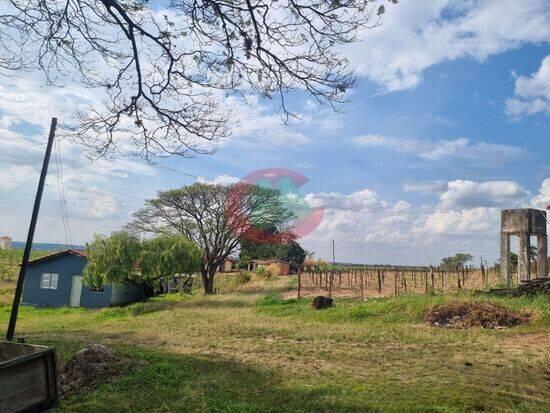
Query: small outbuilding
{"points": [[5, 243], [229, 265], [56, 280], [282, 265]]}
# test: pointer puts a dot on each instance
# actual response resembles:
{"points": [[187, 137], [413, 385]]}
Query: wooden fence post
{"points": [[299, 283], [426, 282]]}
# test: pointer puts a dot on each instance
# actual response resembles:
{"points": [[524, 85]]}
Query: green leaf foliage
{"points": [[122, 258], [165, 256], [112, 259]]}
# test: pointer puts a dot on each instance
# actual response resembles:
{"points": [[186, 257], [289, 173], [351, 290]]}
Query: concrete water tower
{"points": [[523, 223]]}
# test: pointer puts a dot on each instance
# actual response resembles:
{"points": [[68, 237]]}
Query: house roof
{"points": [[270, 261], [78, 253]]}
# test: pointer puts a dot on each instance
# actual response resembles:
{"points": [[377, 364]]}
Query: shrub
{"points": [[273, 269], [263, 273], [242, 278]]}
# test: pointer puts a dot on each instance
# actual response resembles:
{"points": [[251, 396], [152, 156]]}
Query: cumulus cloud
{"points": [[224, 180], [470, 194], [378, 231], [531, 94], [91, 189], [365, 199], [258, 122], [416, 35], [542, 199], [436, 150], [478, 220]]}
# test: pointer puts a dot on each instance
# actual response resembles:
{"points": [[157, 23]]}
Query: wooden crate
{"points": [[27, 378]]}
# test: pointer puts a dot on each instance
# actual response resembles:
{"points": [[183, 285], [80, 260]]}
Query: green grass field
{"points": [[251, 351]]}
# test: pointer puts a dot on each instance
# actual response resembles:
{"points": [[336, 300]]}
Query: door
{"points": [[76, 291]]}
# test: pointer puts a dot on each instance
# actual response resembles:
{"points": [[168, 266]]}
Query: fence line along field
{"points": [[363, 281]]}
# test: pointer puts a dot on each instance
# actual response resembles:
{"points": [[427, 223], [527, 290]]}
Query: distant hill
{"points": [[45, 246]]}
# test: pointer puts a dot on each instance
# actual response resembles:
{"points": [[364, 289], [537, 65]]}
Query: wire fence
{"points": [[384, 281]]}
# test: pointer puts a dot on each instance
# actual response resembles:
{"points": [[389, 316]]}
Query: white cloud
{"points": [[531, 94], [469, 194], [478, 220], [224, 180], [365, 199], [257, 123], [91, 189], [416, 35], [542, 199], [434, 150], [96, 204], [428, 187], [384, 232], [464, 218]]}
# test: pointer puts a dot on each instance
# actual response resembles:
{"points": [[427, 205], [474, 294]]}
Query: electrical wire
{"points": [[16, 188], [22, 147], [17, 200], [62, 198]]}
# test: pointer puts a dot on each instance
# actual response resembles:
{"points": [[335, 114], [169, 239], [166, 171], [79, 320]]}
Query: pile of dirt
{"points": [[469, 314], [89, 368]]}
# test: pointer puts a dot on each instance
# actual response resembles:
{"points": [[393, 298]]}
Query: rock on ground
{"points": [[321, 302]]}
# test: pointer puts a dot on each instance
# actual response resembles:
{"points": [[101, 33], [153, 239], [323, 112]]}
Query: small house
{"points": [[5, 243], [229, 265], [282, 265], [56, 280]]}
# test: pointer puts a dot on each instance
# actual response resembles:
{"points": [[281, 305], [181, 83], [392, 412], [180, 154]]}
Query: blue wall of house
{"points": [[96, 299], [66, 266]]}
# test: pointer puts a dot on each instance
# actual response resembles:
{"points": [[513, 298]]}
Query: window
{"points": [[49, 281], [97, 289]]}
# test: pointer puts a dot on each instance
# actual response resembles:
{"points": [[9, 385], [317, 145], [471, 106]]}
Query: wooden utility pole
{"points": [[30, 235], [362, 285]]}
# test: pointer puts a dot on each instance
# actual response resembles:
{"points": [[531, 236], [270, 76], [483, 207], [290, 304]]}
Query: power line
{"points": [[17, 187], [16, 201], [176, 171], [61, 193], [22, 147]]}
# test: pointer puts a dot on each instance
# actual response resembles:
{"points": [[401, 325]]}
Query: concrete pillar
{"points": [[505, 274], [524, 265], [542, 256]]}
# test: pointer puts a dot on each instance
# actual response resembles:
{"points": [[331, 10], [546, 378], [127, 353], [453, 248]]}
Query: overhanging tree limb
{"points": [[165, 74]]}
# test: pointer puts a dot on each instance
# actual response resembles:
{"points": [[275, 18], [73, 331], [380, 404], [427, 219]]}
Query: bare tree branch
{"points": [[165, 75]]}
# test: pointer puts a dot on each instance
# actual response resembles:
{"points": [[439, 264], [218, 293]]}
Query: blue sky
{"points": [[436, 139]]}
